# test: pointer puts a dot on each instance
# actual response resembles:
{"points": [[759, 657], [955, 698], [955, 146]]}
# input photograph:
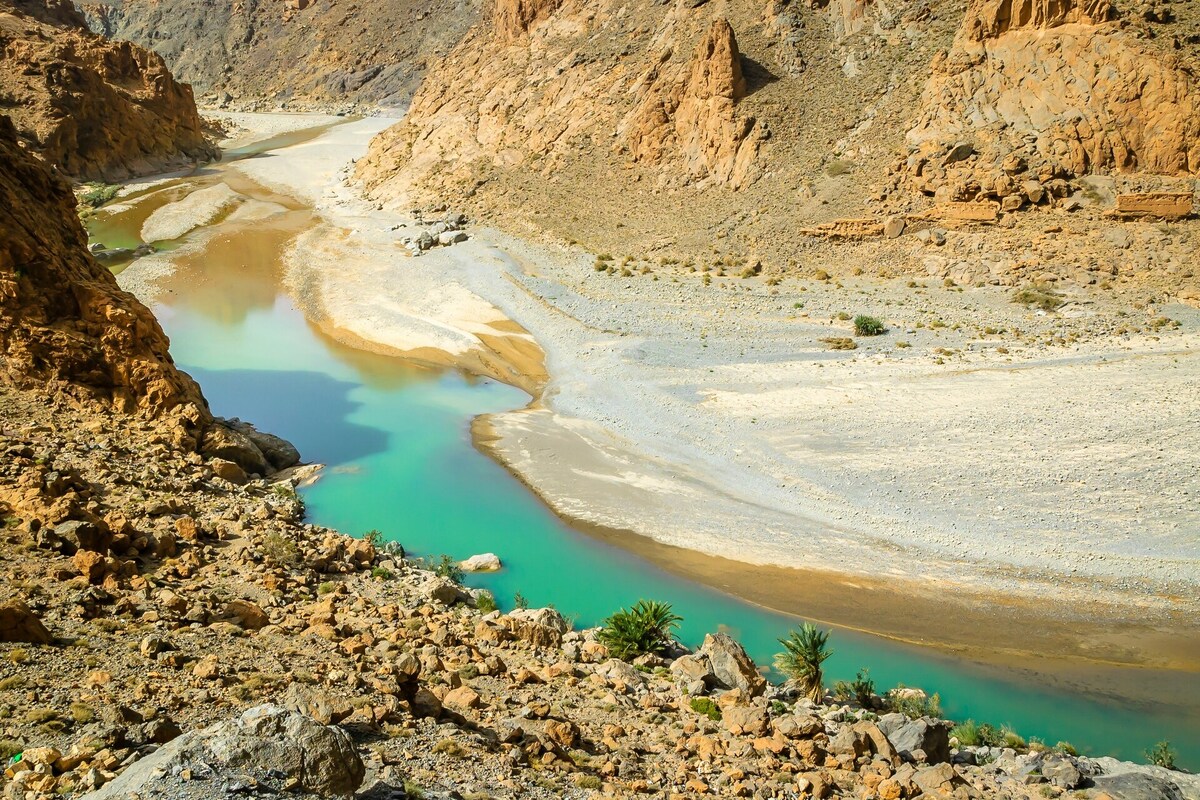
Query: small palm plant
{"points": [[645, 628], [805, 651]]}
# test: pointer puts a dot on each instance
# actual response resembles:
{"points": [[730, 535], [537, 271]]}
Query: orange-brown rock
{"points": [[1051, 89], [513, 18], [696, 119], [1168, 205], [94, 108], [65, 325], [19, 624]]}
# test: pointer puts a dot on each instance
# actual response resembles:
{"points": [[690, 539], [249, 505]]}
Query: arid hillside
{"points": [[723, 131], [95, 109], [306, 52]]}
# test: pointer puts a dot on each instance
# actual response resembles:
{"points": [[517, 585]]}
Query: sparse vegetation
{"points": [[868, 326], [913, 703], [645, 628], [1162, 755], [95, 195], [861, 690], [706, 706], [485, 601], [1041, 297], [804, 651], [840, 343]]}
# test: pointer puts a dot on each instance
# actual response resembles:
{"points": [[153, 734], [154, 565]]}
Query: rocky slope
{"points": [[686, 130], [96, 109], [64, 324], [1053, 89], [308, 53], [204, 597]]}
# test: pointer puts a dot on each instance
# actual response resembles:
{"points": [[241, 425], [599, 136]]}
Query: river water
{"points": [[395, 438]]}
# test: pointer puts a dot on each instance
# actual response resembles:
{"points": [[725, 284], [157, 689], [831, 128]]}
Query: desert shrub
{"points": [[861, 690], [645, 628], [485, 601], [1010, 738], [280, 549], [97, 194], [804, 651], [913, 703], [976, 734], [868, 326], [1162, 755], [706, 706], [1042, 297]]}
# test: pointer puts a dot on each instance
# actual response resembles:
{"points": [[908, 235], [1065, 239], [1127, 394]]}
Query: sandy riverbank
{"points": [[965, 467]]}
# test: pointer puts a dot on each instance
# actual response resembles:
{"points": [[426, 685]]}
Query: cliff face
{"points": [[97, 110], [64, 323], [310, 51], [1053, 89]]}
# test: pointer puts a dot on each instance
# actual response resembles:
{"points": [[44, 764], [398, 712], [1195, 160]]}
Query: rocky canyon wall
{"points": [[95, 109]]}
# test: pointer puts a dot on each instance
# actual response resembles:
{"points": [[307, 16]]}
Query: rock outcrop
{"points": [[64, 323], [265, 745], [95, 109], [307, 53], [1035, 91], [695, 119]]}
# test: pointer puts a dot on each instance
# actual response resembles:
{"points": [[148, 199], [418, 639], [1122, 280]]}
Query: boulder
{"points": [[908, 736], [484, 562], [280, 453], [246, 614], [19, 624], [267, 743], [730, 665], [223, 442], [541, 627], [81, 535]]}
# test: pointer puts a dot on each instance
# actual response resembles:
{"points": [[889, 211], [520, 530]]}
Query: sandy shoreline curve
{"points": [[707, 430]]}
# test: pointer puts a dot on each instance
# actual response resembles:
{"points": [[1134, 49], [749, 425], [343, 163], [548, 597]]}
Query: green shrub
{"points": [[645, 628], [861, 690], [804, 651], [868, 326], [97, 194], [485, 601], [913, 703], [1011, 738], [1162, 755], [1042, 297], [706, 706], [976, 734]]}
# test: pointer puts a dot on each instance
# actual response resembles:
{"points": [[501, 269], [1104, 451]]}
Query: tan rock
{"points": [[19, 624]]}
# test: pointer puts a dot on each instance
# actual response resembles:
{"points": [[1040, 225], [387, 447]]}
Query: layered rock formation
{"points": [[1036, 90], [97, 110], [311, 52], [64, 323]]}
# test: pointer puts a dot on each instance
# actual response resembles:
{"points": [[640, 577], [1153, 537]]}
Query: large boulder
{"points": [[280, 453], [19, 624], [541, 627], [721, 663], [226, 443], [268, 744], [908, 736]]}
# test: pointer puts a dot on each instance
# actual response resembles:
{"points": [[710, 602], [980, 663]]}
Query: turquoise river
{"points": [[395, 438]]}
